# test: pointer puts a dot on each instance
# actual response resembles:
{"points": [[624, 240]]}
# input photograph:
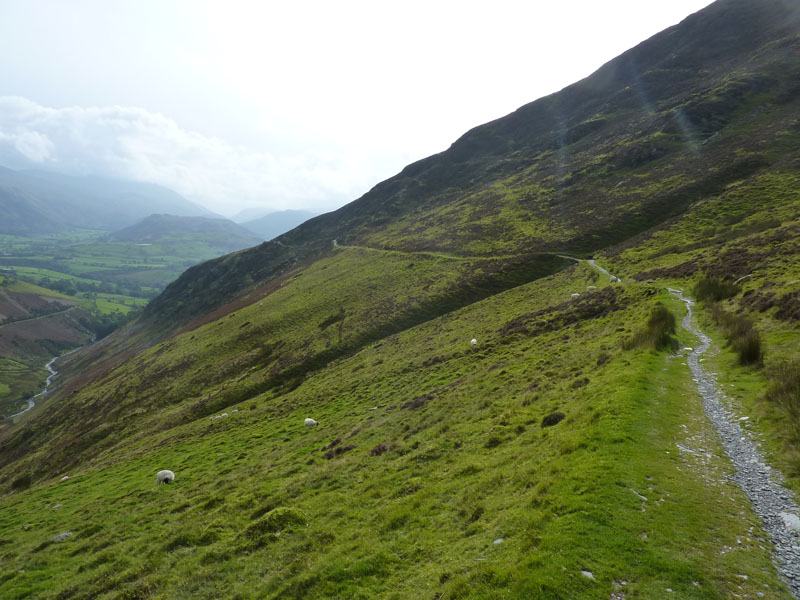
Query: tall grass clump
{"points": [[714, 289], [657, 333], [783, 390], [742, 335]]}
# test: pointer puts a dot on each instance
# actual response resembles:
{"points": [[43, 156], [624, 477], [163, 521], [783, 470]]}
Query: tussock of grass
{"points": [[742, 335], [784, 391], [657, 333], [714, 289]]}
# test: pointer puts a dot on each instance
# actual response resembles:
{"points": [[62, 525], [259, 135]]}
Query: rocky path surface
{"points": [[772, 502]]}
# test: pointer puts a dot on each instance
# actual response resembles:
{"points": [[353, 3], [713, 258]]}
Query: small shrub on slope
{"points": [[783, 390], [269, 527], [657, 333], [714, 289], [742, 335]]}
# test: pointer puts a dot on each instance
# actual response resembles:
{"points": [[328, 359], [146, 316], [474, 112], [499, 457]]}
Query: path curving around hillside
{"points": [[772, 502], [47, 316], [594, 265]]}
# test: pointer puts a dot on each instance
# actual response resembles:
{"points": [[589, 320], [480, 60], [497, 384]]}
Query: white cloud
{"points": [[32, 145], [134, 143]]}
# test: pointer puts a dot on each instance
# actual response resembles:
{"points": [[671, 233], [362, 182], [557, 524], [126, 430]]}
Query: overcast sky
{"points": [[284, 104]]}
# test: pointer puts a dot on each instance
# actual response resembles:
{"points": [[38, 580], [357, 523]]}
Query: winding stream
{"points": [[770, 500], [48, 381]]}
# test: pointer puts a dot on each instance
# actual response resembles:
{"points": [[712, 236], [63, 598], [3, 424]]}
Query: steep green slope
{"points": [[680, 117]]}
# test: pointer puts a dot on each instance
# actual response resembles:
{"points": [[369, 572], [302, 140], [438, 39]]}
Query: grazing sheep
{"points": [[591, 288], [473, 342], [614, 279], [311, 423], [575, 296], [165, 476]]}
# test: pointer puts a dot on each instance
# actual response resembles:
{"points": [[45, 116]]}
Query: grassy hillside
{"points": [[564, 455], [427, 453]]}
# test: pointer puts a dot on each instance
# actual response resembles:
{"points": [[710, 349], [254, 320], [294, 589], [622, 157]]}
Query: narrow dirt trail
{"points": [[47, 316], [772, 502]]}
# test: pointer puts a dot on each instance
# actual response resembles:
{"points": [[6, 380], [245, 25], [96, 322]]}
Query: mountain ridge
{"points": [[549, 211], [46, 202]]}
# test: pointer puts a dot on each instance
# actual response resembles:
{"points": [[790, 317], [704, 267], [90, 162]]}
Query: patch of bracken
{"points": [[789, 307], [553, 419], [686, 269], [592, 305], [579, 383], [380, 449], [337, 451], [418, 402], [758, 300], [762, 301], [333, 444]]}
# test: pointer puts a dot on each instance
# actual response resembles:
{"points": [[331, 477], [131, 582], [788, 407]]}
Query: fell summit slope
{"points": [[636, 143], [439, 469]]}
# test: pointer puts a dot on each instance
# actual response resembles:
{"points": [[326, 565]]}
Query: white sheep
{"points": [[311, 423], [591, 288], [165, 476], [575, 296], [473, 342], [615, 279]]}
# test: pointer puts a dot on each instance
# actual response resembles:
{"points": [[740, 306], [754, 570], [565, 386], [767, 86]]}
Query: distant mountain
{"points": [[41, 202], [251, 214], [274, 224], [159, 228]]}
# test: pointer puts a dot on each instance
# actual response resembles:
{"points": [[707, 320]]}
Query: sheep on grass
{"points": [[311, 423], [165, 476]]}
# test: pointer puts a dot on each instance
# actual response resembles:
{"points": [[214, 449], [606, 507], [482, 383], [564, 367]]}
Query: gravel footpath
{"points": [[770, 500]]}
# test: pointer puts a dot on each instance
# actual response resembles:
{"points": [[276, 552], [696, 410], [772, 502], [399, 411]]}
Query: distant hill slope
{"points": [[42, 202], [219, 233], [274, 224]]}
